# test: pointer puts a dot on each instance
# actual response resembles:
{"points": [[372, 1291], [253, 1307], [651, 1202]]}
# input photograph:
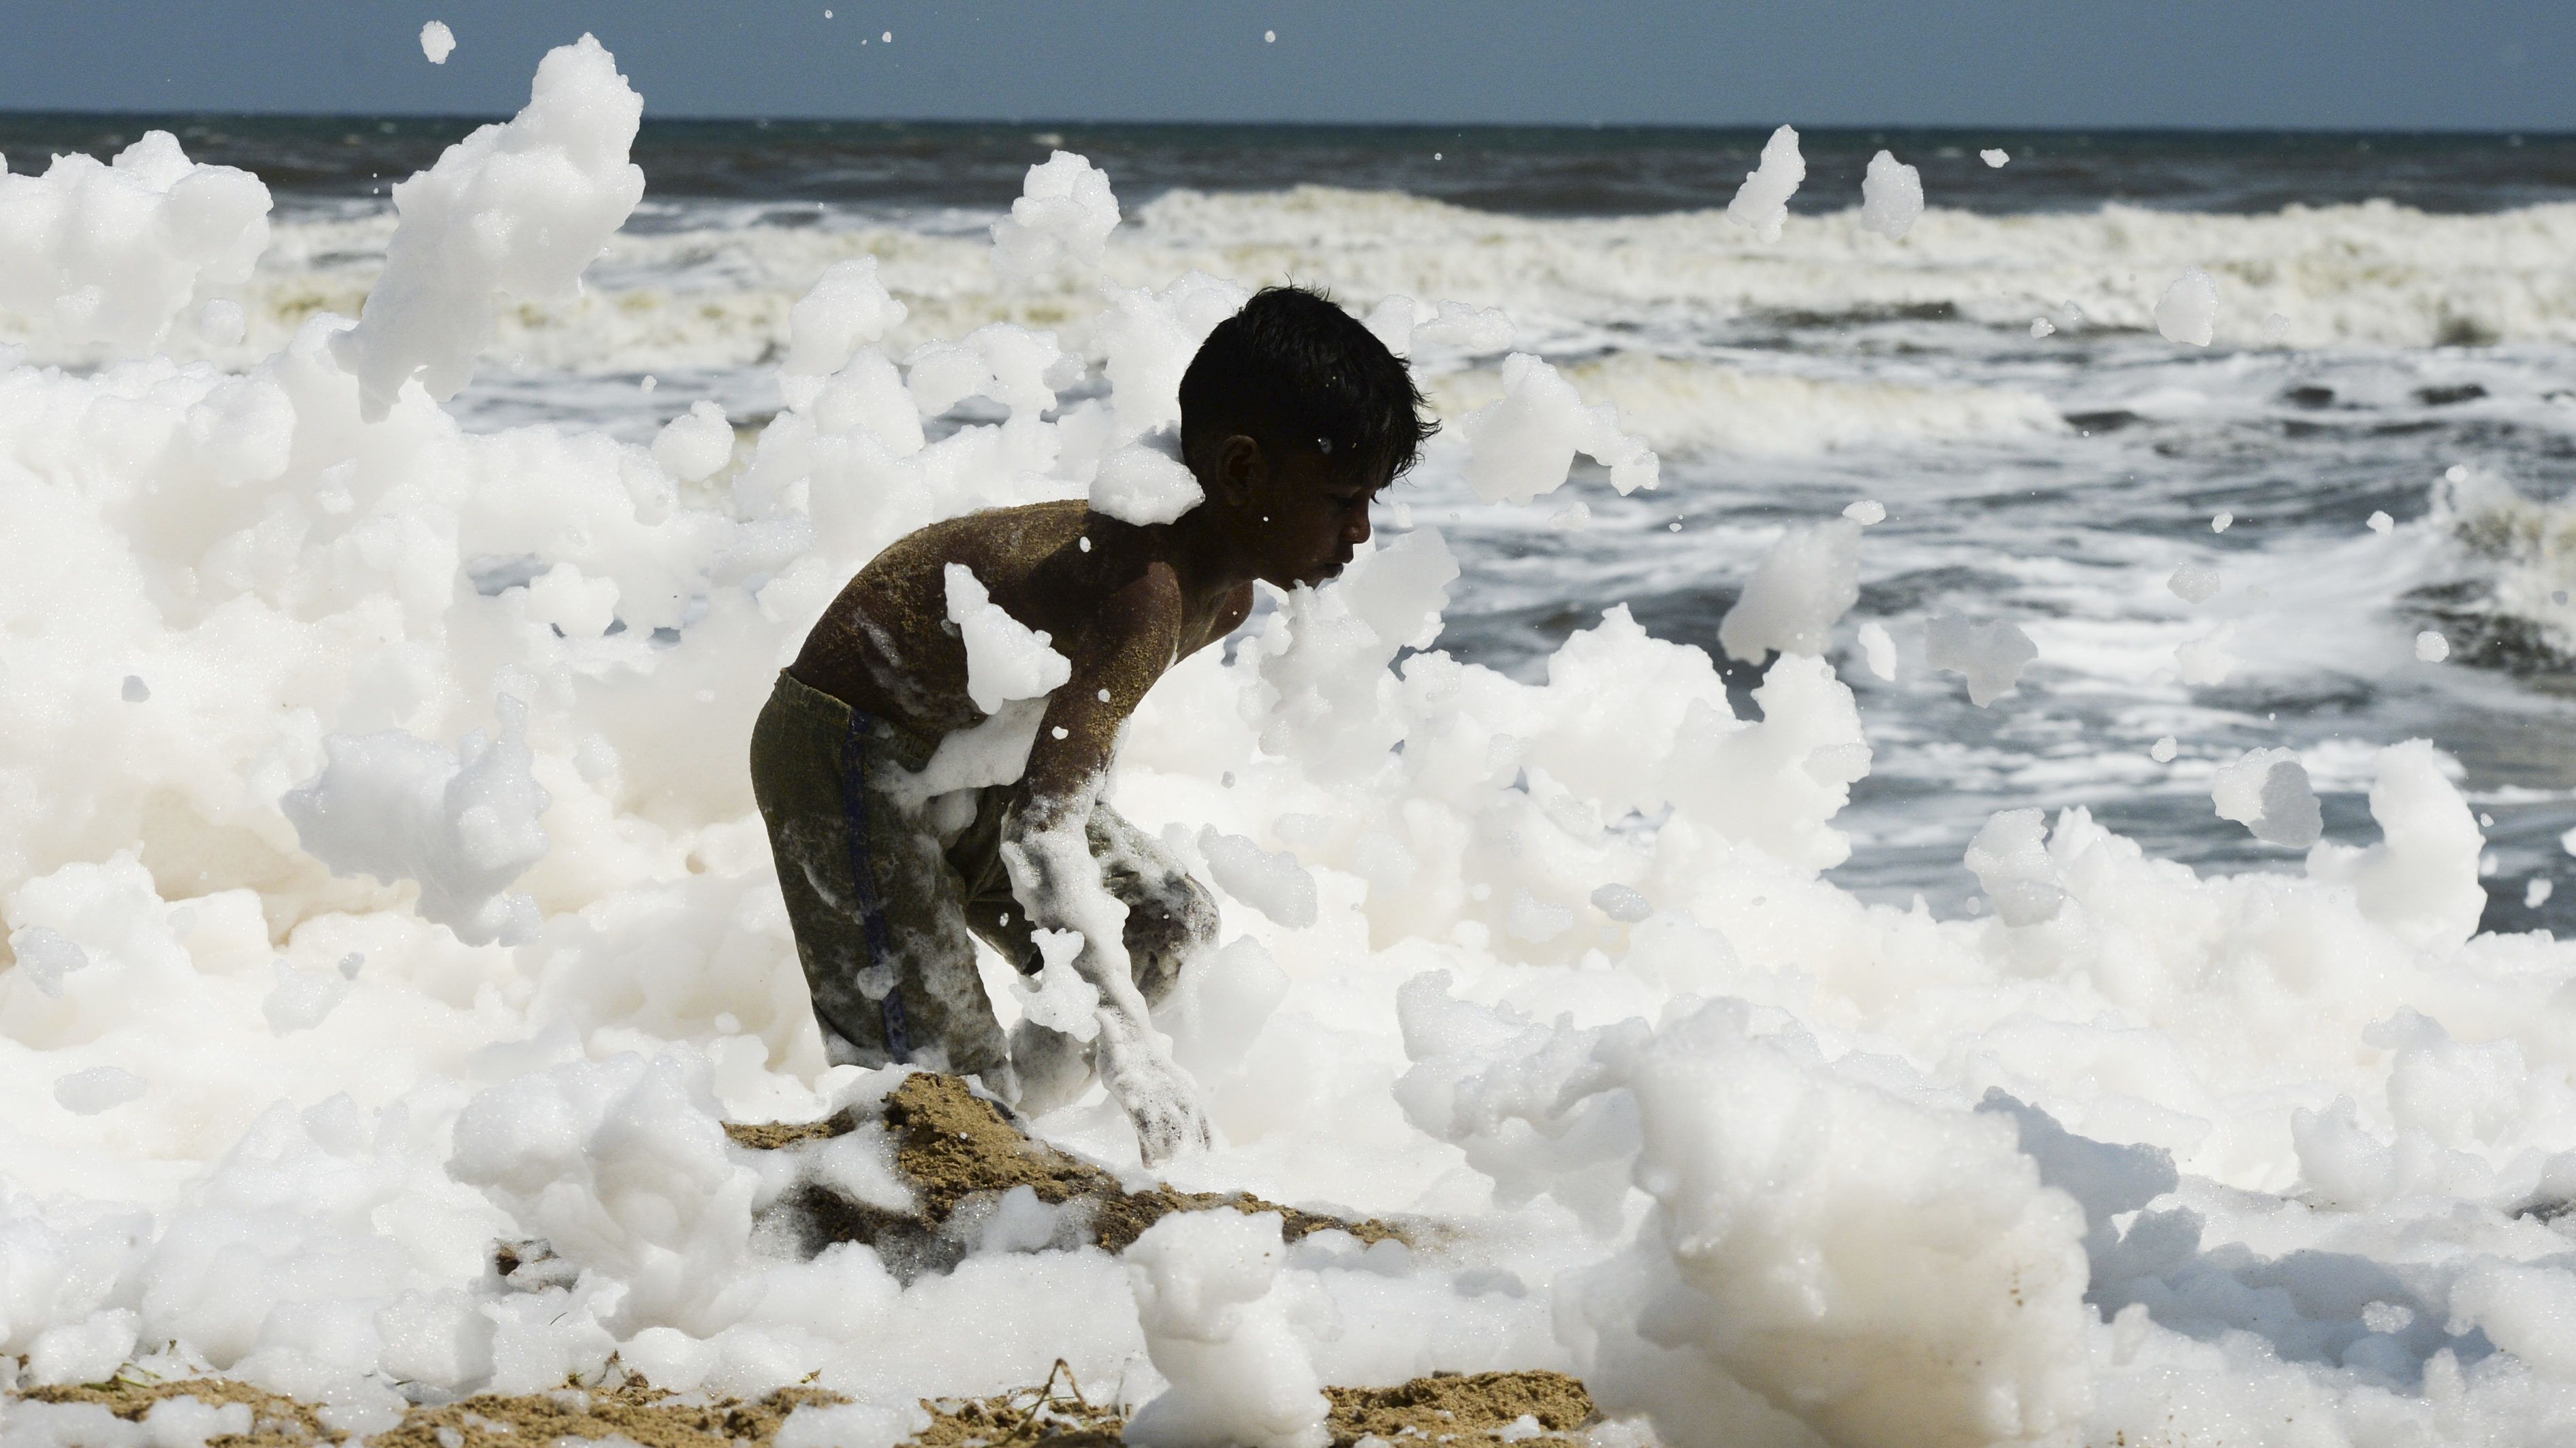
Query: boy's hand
{"points": [[1159, 1099]]}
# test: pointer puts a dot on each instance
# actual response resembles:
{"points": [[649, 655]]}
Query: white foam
{"points": [[1891, 197], [1800, 590], [1521, 445], [1005, 659], [2188, 310], [2267, 791], [463, 826], [1223, 1326], [1990, 656], [517, 209], [1761, 204], [2194, 583], [1146, 482], [114, 253], [1064, 214], [437, 42]]}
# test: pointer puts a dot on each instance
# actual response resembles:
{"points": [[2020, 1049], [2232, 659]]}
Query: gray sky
{"points": [[2500, 64]]}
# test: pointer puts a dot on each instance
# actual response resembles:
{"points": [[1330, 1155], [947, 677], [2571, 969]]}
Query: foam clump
{"points": [[2010, 859], [2188, 310], [1761, 204], [114, 253], [2421, 879], [463, 826], [1225, 1326], [1878, 649], [1822, 1249], [2194, 583], [847, 1425], [1146, 482], [1521, 445], [846, 309], [2267, 791], [1272, 883], [516, 209], [2207, 658], [1058, 998], [1005, 659], [1062, 219], [1994, 157], [1799, 591], [1891, 197], [1990, 656], [45, 957], [695, 444], [302, 999], [100, 1088], [2431, 647], [437, 42]]}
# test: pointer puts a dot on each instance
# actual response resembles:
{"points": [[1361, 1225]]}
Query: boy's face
{"points": [[1305, 514]]}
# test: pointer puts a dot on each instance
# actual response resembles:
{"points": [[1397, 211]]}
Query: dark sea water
{"points": [[1535, 171]]}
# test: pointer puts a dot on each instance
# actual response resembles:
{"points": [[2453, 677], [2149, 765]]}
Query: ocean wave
{"points": [[716, 294], [2510, 601], [1681, 405]]}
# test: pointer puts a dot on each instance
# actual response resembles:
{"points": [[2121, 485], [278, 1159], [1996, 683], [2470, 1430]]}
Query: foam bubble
{"points": [[2188, 310], [437, 42]]}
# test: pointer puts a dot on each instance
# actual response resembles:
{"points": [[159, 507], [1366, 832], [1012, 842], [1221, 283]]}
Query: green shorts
{"points": [[887, 906]]}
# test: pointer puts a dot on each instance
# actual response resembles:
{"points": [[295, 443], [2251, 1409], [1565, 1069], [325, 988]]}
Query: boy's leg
{"points": [[1170, 920], [878, 915]]}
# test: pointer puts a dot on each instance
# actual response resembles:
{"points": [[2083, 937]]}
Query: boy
{"points": [[1293, 416]]}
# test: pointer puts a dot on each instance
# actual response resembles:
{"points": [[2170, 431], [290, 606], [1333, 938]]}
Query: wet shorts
{"points": [[886, 906]]}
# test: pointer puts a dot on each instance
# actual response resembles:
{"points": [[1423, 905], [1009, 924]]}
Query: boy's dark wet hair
{"points": [[1292, 370]]}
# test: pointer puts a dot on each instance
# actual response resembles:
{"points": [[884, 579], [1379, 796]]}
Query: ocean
{"points": [[2052, 481]]}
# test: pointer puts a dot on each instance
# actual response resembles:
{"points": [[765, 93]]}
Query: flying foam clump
{"points": [[1989, 655], [1521, 445], [516, 209], [1891, 197], [1761, 204], [1799, 591], [2188, 310], [114, 253]]}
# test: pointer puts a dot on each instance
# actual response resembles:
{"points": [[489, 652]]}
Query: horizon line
{"points": [[9, 114]]}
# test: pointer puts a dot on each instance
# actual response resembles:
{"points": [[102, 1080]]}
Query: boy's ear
{"points": [[1239, 468]]}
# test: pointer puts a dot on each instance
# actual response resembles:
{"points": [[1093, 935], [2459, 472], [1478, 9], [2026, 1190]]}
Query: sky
{"points": [[2325, 64]]}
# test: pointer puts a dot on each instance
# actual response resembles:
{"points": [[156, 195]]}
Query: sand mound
{"points": [[959, 1154]]}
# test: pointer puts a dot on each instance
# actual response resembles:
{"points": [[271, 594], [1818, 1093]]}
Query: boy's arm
{"points": [[1116, 658]]}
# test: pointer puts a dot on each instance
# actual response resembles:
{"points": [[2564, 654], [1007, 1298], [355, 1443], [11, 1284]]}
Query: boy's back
{"points": [[1293, 417], [886, 645]]}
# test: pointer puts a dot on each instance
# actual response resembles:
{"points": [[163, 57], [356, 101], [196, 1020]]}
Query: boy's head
{"points": [[1293, 415]]}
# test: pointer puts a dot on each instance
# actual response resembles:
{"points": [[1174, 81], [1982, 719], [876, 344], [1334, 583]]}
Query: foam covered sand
{"points": [[2127, 1156]]}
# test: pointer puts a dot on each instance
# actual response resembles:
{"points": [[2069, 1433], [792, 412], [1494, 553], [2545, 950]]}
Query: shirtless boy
{"points": [[1293, 417]]}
